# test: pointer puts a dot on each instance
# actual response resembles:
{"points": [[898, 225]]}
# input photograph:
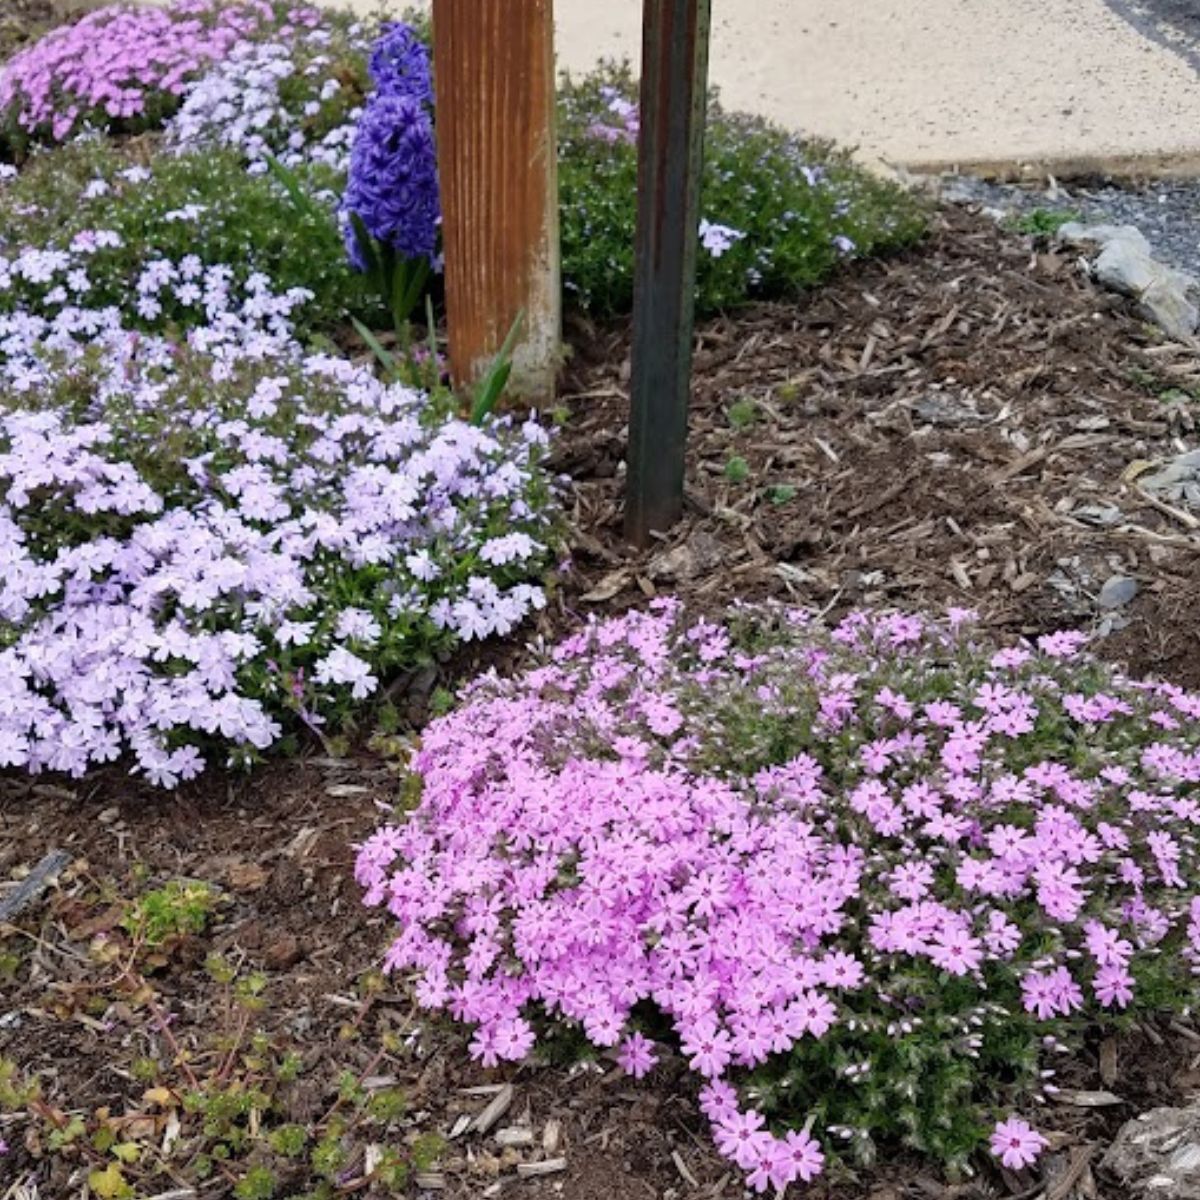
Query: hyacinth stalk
{"points": [[399, 282]]}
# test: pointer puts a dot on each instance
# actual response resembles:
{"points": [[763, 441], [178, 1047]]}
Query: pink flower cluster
{"points": [[769, 831], [128, 63]]}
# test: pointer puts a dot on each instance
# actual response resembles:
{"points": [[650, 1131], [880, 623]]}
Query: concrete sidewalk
{"points": [[1060, 84]]}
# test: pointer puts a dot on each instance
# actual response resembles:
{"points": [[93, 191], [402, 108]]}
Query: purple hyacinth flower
{"points": [[393, 185], [400, 64]]}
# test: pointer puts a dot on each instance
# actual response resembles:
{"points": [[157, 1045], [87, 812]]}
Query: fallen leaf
{"points": [[610, 586], [247, 876], [109, 1184], [1087, 1099]]}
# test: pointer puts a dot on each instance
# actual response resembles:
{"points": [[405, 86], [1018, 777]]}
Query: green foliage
{"points": [[495, 380], [205, 205], [175, 910], [737, 470], [788, 198], [1045, 222]]}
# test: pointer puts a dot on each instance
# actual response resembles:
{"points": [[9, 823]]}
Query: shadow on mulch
{"points": [[951, 426]]}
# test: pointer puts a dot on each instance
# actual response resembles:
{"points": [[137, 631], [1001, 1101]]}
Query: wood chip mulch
{"points": [[24, 21], [955, 425], [952, 426]]}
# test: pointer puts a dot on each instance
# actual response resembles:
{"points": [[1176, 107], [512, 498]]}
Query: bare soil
{"points": [[951, 426]]}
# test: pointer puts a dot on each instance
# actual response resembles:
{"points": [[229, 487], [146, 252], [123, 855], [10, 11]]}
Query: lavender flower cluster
{"points": [[45, 313], [393, 182], [129, 64], [880, 871], [286, 98], [200, 544]]}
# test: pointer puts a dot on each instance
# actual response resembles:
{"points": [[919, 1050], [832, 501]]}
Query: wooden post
{"points": [[497, 161], [671, 145]]}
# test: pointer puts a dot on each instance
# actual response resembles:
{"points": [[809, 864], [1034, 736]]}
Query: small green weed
{"points": [[737, 470], [743, 413], [1045, 222], [175, 910]]}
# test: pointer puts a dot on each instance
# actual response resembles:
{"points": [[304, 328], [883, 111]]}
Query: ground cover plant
{"points": [[91, 227], [203, 547], [780, 213], [867, 881], [123, 68], [296, 99]]}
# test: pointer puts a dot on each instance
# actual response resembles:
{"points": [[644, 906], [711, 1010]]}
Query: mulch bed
{"points": [[24, 21], [951, 426], [955, 423]]}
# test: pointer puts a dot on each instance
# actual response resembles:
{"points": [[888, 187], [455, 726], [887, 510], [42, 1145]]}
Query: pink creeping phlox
{"points": [[130, 63], [615, 828], [1016, 1143]]}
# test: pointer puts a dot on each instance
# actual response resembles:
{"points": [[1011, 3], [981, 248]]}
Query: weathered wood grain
{"points": [[494, 68]]}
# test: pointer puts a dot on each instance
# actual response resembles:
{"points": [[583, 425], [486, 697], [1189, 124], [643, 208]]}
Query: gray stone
{"points": [[1118, 591], [1161, 292], [936, 409], [1178, 480], [1158, 1154], [699, 555], [1126, 265], [1073, 233]]}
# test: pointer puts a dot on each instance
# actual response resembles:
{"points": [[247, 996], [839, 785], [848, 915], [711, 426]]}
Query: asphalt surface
{"points": [[1015, 87], [1174, 24]]}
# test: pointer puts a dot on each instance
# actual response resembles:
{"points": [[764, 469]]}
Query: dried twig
{"points": [[34, 884]]}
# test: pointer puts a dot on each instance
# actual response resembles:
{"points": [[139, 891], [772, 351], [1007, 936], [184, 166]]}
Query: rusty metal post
{"points": [[671, 146], [497, 163]]}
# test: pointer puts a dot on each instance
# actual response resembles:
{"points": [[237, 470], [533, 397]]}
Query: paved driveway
{"points": [[924, 82], [1053, 83]]}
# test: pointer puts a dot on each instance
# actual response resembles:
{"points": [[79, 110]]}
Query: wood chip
{"points": [[1108, 1061], [1018, 466], [344, 791], [34, 884], [514, 1135], [682, 1168], [1078, 1099], [1064, 1184], [430, 1181], [499, 1105], [609, 587], [551, 1135], [550, 1166]]}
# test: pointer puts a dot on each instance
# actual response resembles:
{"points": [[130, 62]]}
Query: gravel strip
{"points": [[1166, 211]]}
